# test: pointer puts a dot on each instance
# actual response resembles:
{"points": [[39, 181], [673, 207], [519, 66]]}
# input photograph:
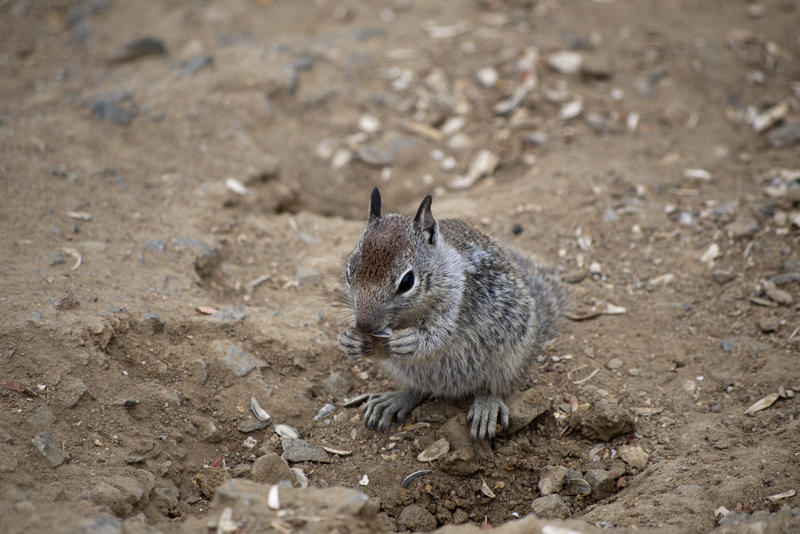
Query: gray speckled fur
{"points": [[481, 311]]}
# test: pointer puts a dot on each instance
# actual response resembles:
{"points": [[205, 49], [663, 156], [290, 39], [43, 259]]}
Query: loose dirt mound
{"points": [[181, 181]]}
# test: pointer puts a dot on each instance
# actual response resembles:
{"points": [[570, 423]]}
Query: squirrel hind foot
{"points": [[485, 413], [382, 408]]}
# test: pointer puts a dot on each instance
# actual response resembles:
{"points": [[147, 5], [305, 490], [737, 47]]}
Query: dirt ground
{"points": [[175, 213]]}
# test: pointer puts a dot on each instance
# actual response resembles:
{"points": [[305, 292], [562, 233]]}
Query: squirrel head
{"points": [[389, 274]]}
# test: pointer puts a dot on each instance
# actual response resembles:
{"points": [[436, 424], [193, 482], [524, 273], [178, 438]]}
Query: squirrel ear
{"points": [[425, 223], [375, 205]]}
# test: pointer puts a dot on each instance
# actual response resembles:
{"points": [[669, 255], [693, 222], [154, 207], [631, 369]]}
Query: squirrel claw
{"points": [[403, 343], [485, 413], [383, 407], [353, 344]]}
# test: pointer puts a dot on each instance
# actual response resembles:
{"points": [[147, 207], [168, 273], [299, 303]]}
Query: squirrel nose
{"points": [[367, 326]]}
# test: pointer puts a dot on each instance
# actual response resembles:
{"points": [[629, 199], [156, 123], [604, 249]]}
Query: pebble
{"points": [[123, 494], [721, 276], [138, 48], [54, 258], [524, 407], [298, 450], [603, 421], [634, 456], [416, 519], [167, 500], [742, 228], [633, 371], [71, 391], [46, 444], [286, 431], [483, 164], [769, 325], [576, 484], [118, 108], [550, 507], [246, 427], [487, 76], [697, 174], [574, 276], [230, 315], [784, 136], [742, 343], [565, 62], [434, 451], [777, 295], [341, 158], [551, 479], [369, 123], [602, 483], [614, 364], [337, 385], [325, 411], [460, 462], [236, 359], [571, 110], [271, 469]]}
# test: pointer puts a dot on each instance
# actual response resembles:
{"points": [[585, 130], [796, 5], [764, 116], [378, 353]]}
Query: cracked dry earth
{"points": [[181, 181]]}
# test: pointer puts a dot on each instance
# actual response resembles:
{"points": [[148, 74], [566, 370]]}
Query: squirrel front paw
{"points": [[402, 343], [353, 343]]}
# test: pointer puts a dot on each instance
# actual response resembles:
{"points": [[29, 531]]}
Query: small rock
{"points": [[271, 469], [777, 295], [119, 108], [337, 385], [456, 431], [229, 315], [575, 276], [340, 158], [722, 276], [784, 136], [124, 494], [460, 462], [297, 450], [434, 451], [48, 446], [286, 431], [550, 507], [697, 174], [167, 501], [603, 421], [524, 407], [483, 164], [416, 518], [325, 411], [43, 418], [602, 483], [571, 110], [487, 76], [252, 425], [742, 343], [634, 456], [614, 364], [769, 325], [551, 479], [565, 62], [138, 48], [368, 123], [236, 359], [208, 480], [742, 228]]}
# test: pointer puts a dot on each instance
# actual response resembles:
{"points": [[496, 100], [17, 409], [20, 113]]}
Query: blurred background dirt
{"points": [[182, 179]]}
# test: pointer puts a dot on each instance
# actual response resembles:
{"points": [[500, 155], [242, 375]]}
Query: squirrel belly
{"points": [[507, 308]]}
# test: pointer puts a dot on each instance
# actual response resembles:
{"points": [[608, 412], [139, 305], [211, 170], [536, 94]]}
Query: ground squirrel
{"points": [[452, 313]]}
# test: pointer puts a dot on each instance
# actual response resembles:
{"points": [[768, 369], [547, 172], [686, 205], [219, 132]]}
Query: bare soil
{"points": [[119, 236]]}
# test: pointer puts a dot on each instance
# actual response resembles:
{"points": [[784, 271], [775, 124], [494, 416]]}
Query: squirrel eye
{"points": [[406, 283]]}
